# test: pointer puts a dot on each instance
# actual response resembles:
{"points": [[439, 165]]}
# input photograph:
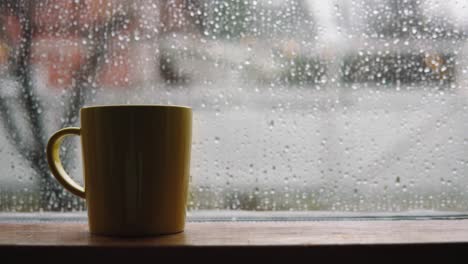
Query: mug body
{"points": [[136, 168]]}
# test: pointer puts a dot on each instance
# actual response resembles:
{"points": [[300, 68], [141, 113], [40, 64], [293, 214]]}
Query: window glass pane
{"points": [[298, 105]]}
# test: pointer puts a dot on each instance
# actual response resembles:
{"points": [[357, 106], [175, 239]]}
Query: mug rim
{"points": [[135, 106]]}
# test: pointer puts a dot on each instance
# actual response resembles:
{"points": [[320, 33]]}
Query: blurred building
{"points": [[65, 32]]}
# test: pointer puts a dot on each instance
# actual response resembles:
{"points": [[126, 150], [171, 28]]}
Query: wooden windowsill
{"points": [[335, 240]]}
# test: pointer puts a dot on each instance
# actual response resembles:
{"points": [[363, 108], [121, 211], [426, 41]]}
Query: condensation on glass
{"points": [[299, 105]]}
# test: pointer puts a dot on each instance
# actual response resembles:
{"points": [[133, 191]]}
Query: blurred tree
{"points": [[403, 18], [396, 18], [18, 40], [98, 24]]}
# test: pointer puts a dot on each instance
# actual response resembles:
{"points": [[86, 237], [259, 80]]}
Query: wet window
{"points": [[299, 105]]}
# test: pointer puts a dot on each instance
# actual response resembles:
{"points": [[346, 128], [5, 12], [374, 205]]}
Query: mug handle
{"points": [[55, 165]]}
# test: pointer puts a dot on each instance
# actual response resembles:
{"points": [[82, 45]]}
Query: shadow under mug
{"points": [[136, 161]]}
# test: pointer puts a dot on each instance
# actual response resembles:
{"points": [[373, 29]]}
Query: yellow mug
{"points": [[136, 161]]}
